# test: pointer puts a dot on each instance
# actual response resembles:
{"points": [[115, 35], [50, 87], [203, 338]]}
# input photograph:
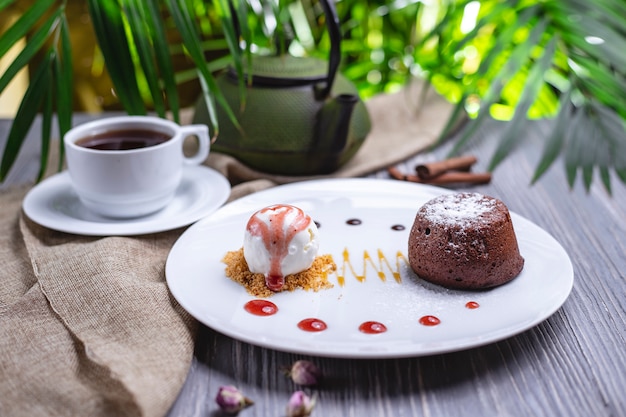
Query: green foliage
{"points": [[48, 89], [512, 60]]}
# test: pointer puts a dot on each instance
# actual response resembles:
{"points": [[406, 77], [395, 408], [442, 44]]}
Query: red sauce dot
{"points": [[472, 305], [312, 325], [260, 307], [429, 321], [372, 327]]}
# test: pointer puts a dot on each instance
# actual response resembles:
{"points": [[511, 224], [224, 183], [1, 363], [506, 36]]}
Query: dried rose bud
{"points": [[304, 372], [231, 400], [300, 405]]}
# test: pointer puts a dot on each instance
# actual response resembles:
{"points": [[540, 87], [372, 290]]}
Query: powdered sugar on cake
{"points": [[464, 241], [458, 209]]}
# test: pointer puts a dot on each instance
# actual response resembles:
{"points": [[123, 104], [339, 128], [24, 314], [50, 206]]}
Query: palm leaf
{"points": [[582, 153], [63, 75], [591, 154], [515, 62], [488, 19], [35, 43], [570, 159], [24, 24], [162, 56], [602, 80], [528, 97], [233, 29], [458, 113], [602, 50], [28, 109], [506, 38], [612, 127], [39, 92], [136, 16], [6, 3], [108, 24], [46, 122], [554, 142], [441, 25], [605, 177], [189, 33], [192, 73], [612, 135]]}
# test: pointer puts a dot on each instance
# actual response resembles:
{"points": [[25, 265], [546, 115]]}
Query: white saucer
{"points": [[54, 204]]}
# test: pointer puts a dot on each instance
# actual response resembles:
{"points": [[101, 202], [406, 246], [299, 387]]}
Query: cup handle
{"points": [[204, 142]]}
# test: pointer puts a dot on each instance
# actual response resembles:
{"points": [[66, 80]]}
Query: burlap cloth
{"points": [[87, 325]]}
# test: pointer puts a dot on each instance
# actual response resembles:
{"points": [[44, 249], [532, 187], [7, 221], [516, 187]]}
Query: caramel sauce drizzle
{"points": [[382, 268]]}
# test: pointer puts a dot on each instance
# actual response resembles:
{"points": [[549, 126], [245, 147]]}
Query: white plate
{"points": [[54, 204], [195, 275]]}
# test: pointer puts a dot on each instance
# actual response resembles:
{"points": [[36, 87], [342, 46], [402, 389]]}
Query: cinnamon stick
{"points": [[450, 177], [395, 173], [433, 169]]}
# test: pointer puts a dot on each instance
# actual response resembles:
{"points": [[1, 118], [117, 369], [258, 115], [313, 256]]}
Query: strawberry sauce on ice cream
{"points": [[280, 240]]}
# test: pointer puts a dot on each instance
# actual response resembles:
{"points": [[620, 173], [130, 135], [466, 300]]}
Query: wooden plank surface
{"points": [[573, 364]]}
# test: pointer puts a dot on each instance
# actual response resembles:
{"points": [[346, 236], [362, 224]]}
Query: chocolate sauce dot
{"points": [[397, 227], [354, 222], [318, 224]]}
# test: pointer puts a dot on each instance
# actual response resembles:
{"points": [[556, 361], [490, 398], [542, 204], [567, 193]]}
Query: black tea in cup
{"points": [[121, 140]]}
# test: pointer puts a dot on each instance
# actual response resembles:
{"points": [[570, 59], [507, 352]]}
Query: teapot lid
{"points": [[285, 70]]}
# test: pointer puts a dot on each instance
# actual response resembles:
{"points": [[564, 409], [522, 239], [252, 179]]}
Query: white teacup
{"points": [[125, 183]]}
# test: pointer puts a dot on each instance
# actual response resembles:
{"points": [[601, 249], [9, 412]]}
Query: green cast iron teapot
{"points": [[300, 118]]}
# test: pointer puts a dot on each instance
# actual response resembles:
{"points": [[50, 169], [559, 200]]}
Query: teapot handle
{"points": [[334, 32]]}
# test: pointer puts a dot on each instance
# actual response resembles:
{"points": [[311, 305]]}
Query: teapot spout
{"points": [[333, 125]]}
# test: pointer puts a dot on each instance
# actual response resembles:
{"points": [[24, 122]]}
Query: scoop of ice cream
{"points": [[280, 240]]}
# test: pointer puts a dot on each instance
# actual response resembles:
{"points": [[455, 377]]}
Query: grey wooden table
{"points": [[572, 364]]}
